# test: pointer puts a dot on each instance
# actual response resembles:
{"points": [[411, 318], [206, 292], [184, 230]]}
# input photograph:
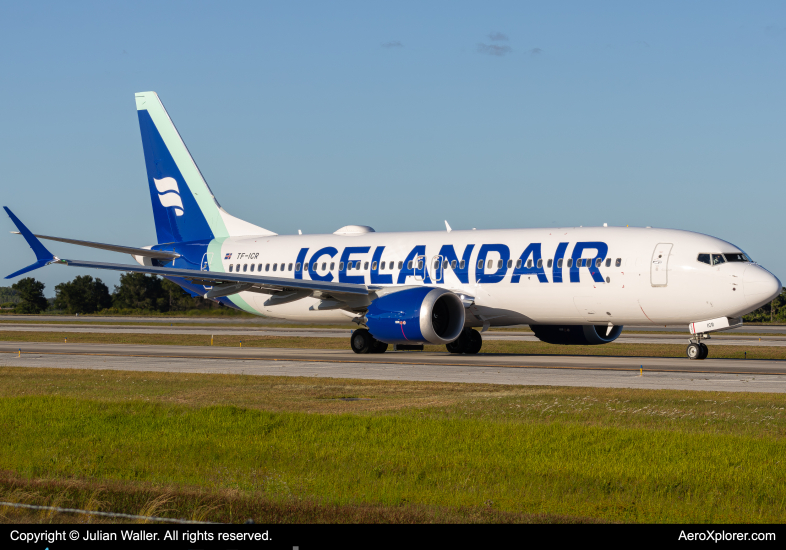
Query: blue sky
{"points": [[314, 115]]}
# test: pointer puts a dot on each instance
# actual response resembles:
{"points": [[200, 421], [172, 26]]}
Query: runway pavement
{"points": [[710, 374], [721, 338]]}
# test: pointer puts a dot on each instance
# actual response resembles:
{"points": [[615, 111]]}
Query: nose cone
{"points": [[760, 286]]}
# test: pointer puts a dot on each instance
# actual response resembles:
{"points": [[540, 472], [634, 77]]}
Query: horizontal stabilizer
{"points": [[160, 254]]}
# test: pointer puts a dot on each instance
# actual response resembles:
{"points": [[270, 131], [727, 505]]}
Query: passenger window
{"points": [[275, 266], [598, 262], [230, 268], [618, 263], [382, 266], [324, 266], [332, 266], [529, 264], [518, 263], [409, 264], [570, 262], [252, 267], [259, 267], [559, 263], [420, 264], [462, 264], [289, 267], [510, 264], [401, 264], [365, 266], [551, 263], [490, 264], [341, 266], [445, 264], [245, 267], [453, 264], [540, 264], [305, 266], [237, 268], [480, 264], [283, 266], [267, 267], [436, 264], [373, 266], [297, 266], [608, 262], [718, 259]]}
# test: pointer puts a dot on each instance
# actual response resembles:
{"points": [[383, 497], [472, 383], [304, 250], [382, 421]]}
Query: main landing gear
{"points": [[697, 349], [362, 342], [469, 341]]}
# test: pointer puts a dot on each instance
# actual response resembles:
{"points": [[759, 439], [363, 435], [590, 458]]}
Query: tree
{"points": [[140, 291], [82, 295], [31, 293]]}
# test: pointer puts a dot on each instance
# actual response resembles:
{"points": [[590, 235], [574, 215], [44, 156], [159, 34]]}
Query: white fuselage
{"points": [[653, 276]]}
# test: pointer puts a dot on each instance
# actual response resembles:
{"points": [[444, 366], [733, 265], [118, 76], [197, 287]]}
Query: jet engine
{"points": [[416, 316], [576, 335]]}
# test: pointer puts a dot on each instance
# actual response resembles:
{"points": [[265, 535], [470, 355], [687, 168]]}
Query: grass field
{"points": [[489, 346], [229, 447]]}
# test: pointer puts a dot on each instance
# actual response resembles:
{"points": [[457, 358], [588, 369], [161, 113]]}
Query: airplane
{"points": [[571, 285]]}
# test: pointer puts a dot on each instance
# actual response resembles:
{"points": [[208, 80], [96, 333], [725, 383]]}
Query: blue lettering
{"points": [[556, 269], [376, 278], [449, 254], [345, 259], [480, 270], [537, 264], [578, 251], [417, 255], [312, 268], [301, 257]]}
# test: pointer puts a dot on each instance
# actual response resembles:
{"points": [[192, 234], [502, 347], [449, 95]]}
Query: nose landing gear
{"points": [[697, 349]]}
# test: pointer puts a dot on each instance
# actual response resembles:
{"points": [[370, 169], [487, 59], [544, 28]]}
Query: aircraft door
{"points": [[437, 263], [420, 267], [659, 267]]}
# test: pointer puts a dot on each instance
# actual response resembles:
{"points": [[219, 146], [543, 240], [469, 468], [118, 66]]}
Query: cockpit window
{"points": [[736, 257], [718, 259], [704, 258]]}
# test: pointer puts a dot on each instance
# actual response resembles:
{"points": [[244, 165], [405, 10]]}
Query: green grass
{"points": [[287, 448]]}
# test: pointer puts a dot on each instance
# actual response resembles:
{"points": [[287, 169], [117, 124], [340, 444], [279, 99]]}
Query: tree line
{"points": [[137, 293]]}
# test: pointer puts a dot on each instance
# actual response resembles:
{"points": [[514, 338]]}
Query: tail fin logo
{"points": [[169, 194]]}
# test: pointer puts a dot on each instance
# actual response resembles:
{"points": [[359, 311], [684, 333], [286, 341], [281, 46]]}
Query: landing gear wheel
{"points": [[454, 346], [475, 342], [694, 351], [378, 347], [705, 351], [361, 341]]}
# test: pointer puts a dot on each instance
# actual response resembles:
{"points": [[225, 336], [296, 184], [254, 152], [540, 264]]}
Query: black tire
{"points": [[361, 341], [694, 351], [705, 351], [475, 342], [378, 347], [454, 346]]}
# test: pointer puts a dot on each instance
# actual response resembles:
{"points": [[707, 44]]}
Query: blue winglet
{"points": [[41, 253]]}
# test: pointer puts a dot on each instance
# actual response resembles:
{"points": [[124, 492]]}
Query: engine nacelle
{"points": [[416, 316], [576, 335]]}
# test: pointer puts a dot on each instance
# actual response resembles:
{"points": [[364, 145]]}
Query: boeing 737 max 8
{"points": [[570, 285]]}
